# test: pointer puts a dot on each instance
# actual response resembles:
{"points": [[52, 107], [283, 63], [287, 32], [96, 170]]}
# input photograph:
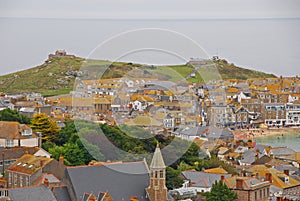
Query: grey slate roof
{"points": [[282, 151], [194, 131], [31, 194], [260, 147], [210, 132], [249, 157], [203, 179], [291, 168], [121, 181], [61, 193], [51, 178]]}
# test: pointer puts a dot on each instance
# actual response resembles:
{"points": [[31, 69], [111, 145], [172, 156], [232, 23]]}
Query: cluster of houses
{"points": [[29, 173], [269, 102], [204, 113]]}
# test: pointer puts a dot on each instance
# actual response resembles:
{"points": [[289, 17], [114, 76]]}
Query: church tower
{"points": [[157, 189]]}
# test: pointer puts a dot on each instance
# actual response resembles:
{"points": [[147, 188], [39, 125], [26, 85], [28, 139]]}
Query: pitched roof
{"points": [[51, 178], [279, 177], [210, 132], [61, 193], [282, 151], [283, 167], [293, 157], [249, 157], [31, 194], [260, 147], [29, 164], [157, 160], [12, 130], [17, 152], [249, 183], [202, 179], [142, 120], [218, 170], [121, 180]]}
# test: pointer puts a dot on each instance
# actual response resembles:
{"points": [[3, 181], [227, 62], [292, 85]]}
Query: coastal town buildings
{"points": [[221, 117], [14, 134], [249, 188]]}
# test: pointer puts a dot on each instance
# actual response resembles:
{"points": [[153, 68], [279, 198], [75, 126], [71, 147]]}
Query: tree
{"points": [[220, 192], [173, 179], [13, 115], [42, 123], [73, 154], [66, 132]]}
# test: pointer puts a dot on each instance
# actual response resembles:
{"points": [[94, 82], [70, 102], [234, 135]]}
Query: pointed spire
{"points": [[157, 160]]}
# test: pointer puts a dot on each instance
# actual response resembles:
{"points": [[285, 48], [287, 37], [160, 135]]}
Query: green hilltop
{"points": [[57, 75]]}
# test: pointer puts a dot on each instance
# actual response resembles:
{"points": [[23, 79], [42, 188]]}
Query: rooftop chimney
{"points": [[61, 159], [42, 163], [269, 177], [222, 178], [46, 182], [286, 172], [239, 183]]}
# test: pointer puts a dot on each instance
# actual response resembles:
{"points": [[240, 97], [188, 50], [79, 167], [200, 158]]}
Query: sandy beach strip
{"points": [[246, 134]]}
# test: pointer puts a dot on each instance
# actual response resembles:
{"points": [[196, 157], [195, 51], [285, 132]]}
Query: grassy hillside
{"points": [[57, 76]]}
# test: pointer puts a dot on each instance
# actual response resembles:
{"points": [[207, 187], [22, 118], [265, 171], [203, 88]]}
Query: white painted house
{"points": [[13, 134]]}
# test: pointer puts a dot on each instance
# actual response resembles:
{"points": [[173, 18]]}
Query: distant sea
{"points": [[287, 140], [269, 45]]}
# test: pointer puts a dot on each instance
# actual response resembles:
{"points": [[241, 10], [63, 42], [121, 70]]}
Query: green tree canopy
{"points": [[13, 115], [220, 192], [173, 178], [66, 132], [42, 123]]}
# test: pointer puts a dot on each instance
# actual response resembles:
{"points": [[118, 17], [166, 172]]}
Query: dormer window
{"points": [[286, 180], [27, 132]]}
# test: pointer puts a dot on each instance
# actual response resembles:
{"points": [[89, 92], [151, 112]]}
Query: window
{"points": [[9, 142], [161, 174], [264, 192], [15, 179], [27, 181], [21, 180], [255, 195], [260, 193], [9, 178]]}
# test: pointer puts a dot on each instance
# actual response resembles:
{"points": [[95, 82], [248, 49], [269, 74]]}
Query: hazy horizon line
{"points": [[154, 19]]}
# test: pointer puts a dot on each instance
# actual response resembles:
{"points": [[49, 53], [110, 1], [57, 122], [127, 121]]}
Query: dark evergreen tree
{"points": [[220, 192]]}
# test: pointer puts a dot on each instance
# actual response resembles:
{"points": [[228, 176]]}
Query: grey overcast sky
{"points": [[31, 29], [150, 9]]}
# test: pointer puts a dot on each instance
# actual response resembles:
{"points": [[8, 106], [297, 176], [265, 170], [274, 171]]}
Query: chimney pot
{"points": [[61, 159], [286, 172], [239, 183], [42, 163], [46, 182], [269, 177]]}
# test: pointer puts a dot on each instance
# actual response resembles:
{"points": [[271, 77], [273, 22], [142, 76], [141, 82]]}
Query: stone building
{"points": [[59, 54], [249, 188], [29, 170], [157, 190]]}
